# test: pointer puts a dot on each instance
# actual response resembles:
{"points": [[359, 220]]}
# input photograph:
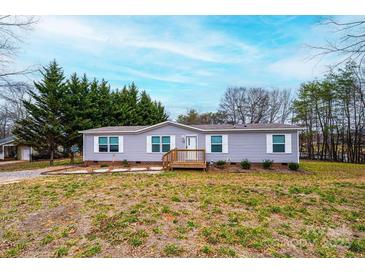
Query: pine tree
{"points": [[59, 109], [74, 118], [149, 112], [125, 105], [43, 128], [145, 110]]}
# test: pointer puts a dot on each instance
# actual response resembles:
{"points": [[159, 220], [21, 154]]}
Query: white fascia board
{"points": [[190, 127]]}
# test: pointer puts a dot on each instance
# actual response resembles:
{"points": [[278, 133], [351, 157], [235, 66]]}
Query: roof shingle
{"points": [[209, 127]]}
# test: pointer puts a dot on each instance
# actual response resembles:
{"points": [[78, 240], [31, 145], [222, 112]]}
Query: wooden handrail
{"points": [[184, 157]]}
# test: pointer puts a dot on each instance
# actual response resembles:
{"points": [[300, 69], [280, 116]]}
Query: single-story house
{"points": [[232, 143], [11, 151]]}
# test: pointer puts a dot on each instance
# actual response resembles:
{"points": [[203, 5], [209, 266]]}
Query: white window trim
{"points": [[298, 147], [171, 143], [270, 144], [208, 146], [120, 144], [224, 146]]}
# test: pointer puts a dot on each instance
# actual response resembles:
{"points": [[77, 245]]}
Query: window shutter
{"points": [[225, 143], [172, 141], [287, 143], [96, 143], [268, 143], [149, 144], [121, 143], [208, 147]]}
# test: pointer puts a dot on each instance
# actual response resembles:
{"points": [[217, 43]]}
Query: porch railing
{"points": [[184, 158]]}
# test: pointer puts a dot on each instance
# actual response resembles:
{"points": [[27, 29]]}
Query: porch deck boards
{"points": [[184, 158]]}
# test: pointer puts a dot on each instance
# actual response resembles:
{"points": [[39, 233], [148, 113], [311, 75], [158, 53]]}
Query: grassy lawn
{"points": [[36, 164], [319, 213]]}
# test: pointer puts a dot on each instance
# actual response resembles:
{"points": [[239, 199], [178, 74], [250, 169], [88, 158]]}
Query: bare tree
{"points": [[348, 41], [231, 103], [11, 106], [11, 30], [12, 89], [286, 102], [256, 105]]}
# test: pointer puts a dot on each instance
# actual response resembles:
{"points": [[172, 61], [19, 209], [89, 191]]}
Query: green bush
{"points": [[220, 163], [245, 164], [104, 165], [125, 162], [267, 164], [293, 166]]}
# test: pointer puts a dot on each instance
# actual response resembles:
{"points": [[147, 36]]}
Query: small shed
{"points": [[11, 151]]}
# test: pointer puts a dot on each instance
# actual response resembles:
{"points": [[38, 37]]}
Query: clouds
{"points": [[180, 60], [298, 67]]}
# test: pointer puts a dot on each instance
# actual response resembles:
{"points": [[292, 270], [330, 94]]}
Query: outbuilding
{"points": [[9, 150]]}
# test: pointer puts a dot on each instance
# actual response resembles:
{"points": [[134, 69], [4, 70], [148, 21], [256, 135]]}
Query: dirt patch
{"points": [[46, 219], [340, 232]]}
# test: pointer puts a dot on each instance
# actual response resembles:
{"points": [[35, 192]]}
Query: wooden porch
{"points": [[184, 158]]}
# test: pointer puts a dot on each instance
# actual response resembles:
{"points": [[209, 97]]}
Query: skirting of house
{"points": [[89, 163], [159, 163]]}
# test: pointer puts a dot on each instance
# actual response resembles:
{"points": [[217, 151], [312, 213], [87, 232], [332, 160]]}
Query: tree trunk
{"points": [[51, 157]]}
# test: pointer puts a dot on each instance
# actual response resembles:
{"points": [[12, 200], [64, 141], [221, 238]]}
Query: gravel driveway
{"points": [[15, 176], [9, 177]]}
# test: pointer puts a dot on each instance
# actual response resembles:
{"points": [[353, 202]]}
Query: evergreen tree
{"points": [[43, 128], [74, 118], [100, 104], [160, 113], [145, 110], [60, 109]]}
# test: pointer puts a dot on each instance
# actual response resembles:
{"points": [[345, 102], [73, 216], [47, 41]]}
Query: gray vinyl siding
{"points": [[241, 145]]}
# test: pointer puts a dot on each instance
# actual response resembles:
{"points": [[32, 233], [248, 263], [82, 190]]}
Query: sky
{"points": [[183, 61]]}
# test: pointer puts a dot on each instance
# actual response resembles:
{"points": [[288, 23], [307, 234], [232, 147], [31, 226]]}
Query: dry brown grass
{"points": [[316, 213]]}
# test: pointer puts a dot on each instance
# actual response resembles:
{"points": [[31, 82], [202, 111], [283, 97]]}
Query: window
{"points": [[216, 143], [156, 143], [103, 144], [113, 144], [278, 143], [108, 144], [161, 143], [165, 143]]}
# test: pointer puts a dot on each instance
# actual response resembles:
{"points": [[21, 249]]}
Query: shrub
{"points": [[245, 164], [293, 166], [104, 165], [267, 164], [220, 163], [125, 162]]}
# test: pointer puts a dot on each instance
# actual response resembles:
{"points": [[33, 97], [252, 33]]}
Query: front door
{"points": [[191, 143]]}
